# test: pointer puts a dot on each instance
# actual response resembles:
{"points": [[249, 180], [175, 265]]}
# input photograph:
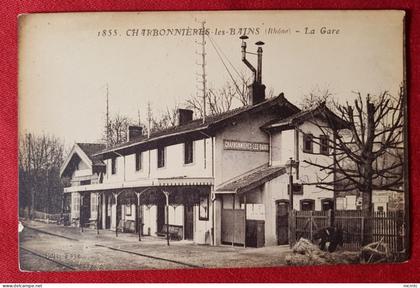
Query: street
{"points": [[49, 247]]}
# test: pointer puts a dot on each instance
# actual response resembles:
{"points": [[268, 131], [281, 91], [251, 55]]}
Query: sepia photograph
{"points": [[224, 139]]}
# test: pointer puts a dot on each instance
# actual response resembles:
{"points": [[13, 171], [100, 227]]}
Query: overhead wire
{"points": [[227, 58], [224, 64]]}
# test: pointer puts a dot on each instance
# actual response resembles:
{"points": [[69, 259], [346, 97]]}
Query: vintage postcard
{"points": [[167, 140]]}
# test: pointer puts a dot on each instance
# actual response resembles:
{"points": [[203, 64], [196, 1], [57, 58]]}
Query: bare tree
{"points": [[368, 155], [40, 159], [116, 130], [221, 101], [166, 120], [229, 96], [316, 97]]}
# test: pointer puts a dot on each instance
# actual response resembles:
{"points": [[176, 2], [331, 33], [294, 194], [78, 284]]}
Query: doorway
{"points": [[282, 215], [107, 211], [160, 216], [188, 222], [85, 209]]}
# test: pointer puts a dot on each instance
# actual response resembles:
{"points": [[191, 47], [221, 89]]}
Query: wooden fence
{"points": [[359, 228], [41, 216]]}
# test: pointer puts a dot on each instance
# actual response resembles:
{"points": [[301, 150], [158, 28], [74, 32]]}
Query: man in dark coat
{"points": [[330, 238]]}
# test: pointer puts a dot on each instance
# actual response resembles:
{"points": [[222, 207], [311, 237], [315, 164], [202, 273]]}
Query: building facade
{"points": [[218, 181]]}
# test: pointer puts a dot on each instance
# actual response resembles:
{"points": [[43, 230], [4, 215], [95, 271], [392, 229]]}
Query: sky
{"points": [[66, 62]]}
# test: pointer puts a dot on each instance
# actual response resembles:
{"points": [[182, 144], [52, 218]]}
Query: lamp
{"points": [[290, 164]]}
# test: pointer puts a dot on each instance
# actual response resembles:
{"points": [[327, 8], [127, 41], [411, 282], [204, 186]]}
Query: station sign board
{"points": [[245, 146]]}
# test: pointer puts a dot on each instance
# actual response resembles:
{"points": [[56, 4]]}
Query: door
{"points": [[99, 207], [233, 226], [188, 222], [282, 214], [119, 217], [107, 211], [85, 209], [160, 216]]}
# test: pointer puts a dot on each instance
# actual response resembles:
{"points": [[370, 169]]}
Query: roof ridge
{"points": [[89, 143], [195, 124]]}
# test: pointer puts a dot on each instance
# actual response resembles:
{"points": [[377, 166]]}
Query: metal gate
{"points": [[233, 226]]}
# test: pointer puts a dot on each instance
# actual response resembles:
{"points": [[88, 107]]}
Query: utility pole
{"points": [[149, 119], [203, 55], [203, 74], [203, 81], [138, 117], [149, 126]]}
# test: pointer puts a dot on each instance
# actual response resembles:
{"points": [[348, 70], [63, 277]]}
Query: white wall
{"points": [[124, 215], [113, 218], [276, 189], [75, 205], [149, 219], [176, 215], [287, 146], [93, 206], [202, 228], [231, 163], [174, 164]]}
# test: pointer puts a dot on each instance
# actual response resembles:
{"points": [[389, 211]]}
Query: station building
{"points": [[218, 181]]}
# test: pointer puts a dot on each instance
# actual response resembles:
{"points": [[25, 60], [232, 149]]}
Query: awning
{"points": [[158, 182], [178, 195], [251, 180]]}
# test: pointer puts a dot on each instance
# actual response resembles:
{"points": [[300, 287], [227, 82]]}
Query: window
{"points": [[308, 143], [161, 157], [85, 182], [307, 205], [75, 203], [94, 204], [324, 145], [188, 152], [327, 204], [139, 159], [204, 208], [297, 189], [128, 209], [113, 165]]}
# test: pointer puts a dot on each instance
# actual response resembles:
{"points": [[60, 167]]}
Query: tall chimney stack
{"points": [[256, 89], [259, 65]]}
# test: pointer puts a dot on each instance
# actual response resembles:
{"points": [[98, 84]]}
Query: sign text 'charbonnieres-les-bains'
{"points": [[245, 146]]}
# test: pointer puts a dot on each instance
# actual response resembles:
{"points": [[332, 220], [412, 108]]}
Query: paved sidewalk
{"points": [[153, 250]]}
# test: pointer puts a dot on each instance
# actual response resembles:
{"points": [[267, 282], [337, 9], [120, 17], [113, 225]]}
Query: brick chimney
{"points": [[256, 93], [134, 132], [184, 116]]}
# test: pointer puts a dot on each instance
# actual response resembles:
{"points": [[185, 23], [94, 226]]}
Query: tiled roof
{"points": [[198, 124], [319, 111], [252, 180], [90, 149]]}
